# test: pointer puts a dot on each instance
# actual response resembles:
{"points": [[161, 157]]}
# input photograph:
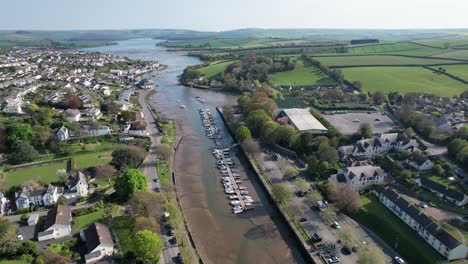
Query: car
{"points": [[155, 179], [316, 238], [173, 240], [336, 225], [276, 156], [170, 232], [321, 205], [422, 205], [20, 237], [399, 260], [333, 260]]}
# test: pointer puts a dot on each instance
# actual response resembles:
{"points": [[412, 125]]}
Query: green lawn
{"points": [[404, 80], [86, 220], [163, 171], [455, 184], [123, 229], [461, 71], [214, 68], [379, 60], [303, 74], [47, 173], [389, 227]]}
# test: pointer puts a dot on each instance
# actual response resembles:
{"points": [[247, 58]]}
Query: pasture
{"points": [[404, 80], [457, 54], [214, 68], [404, 48], [305, 74], [461, 71], [378, 60]]}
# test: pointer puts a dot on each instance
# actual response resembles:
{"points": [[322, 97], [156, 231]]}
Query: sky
{"points": [[218, 15]]}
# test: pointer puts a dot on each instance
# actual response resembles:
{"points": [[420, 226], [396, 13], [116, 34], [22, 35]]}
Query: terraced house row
{"points": [[431, 232]]}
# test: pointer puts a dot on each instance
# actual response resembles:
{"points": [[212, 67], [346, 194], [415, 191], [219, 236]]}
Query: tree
{"points": [[348, 237], [129, 182], [22, 152], [128, 158], [149, 204], [105, 171], [291, 172], [284, 135], [62, 200], [313, 197], [146, 223], [446, 45], [302, 185], [345, 198], [148, 245], [379, 98], [370, 255], [256, 119], [3, 139], [295, 210], [327, 153], [328, 214], [72, 101], [6, 229], [19, 132], [410, 132], [281, 192], [42, 135], [164, 150], [365, 130], [24, 219], [251, 146], [243, 134]]}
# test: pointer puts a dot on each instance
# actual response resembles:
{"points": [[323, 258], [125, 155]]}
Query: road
{"points": [[315, 224], [148, 167]]}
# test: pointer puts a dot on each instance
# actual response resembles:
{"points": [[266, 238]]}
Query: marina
{"points": [[230, 176]]}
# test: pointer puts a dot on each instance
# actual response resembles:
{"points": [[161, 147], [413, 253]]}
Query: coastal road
{"points": [[148, 167]]}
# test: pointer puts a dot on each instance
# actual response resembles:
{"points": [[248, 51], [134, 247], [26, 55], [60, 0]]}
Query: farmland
{"points": [[460, 71], [304, 74], [405, 48], [457, 54], [214, 69], [380, 60], [404, 80]]}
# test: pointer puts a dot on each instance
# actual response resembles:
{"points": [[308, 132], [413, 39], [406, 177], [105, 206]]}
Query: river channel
{"points": [[256, 236]]}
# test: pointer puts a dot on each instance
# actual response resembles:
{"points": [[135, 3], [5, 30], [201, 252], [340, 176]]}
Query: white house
{"points": [[442, 241], [359, 177], [91, 113], [96, 130], [377, 145], [98, 242], [62, 134], [57, 223], [77, 183], [41, 197], [73, 115], [419, 162]]}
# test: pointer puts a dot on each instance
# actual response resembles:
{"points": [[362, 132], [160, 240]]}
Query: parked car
{"points": [[399, 260], [422, 205], [336, 225], [155, 179], [276, 156], [173, 240], [316, 238], [170, 232], [333, 260], [321, 205], [20, 237], [157, 189]]}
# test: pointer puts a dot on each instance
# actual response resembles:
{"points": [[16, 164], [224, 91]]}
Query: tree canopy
{"points": [[22, 152], [129, 182], [148, 245], [19, 132], [243, 133], [128, 158], [281, 192]]}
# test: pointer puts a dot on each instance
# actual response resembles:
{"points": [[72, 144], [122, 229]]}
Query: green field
{"points": [[379, 60], [48, 173], [404, 80], [405, 48], [441, 42], [390, 228], [304, 74], [460, 71], [214, 68], [457, 54], [86, 220]]}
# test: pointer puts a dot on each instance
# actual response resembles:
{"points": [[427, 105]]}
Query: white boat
{"points": [[244, 192], [233, 197], [235, 202], [237, 210], [229, 191], [178, 101], [242, 188], [182, 106]]}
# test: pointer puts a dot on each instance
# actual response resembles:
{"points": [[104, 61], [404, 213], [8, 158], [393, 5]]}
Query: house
{"points": [[139, 128], [41, 197], [73, 115], [96, 130], [57, 223], [62, 134], [91, 113], [99, 242], [443, 191], [359, 177], [442, 241], [33, 219], [3, 203], [303, 120], [378, 145], [419, 162], [77, 183]]}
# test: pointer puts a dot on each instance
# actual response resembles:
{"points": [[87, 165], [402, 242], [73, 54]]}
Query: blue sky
{"points": [[215, 15]]}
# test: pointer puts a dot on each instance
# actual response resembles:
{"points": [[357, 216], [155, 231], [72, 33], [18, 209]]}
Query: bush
{"points": [[22, 211]]}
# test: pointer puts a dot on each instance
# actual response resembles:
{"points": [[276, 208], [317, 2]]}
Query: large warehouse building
{"points": [[303, 120]]}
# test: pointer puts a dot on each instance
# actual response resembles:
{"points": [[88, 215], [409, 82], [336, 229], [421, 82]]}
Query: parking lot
{"points": [[349, 123]]}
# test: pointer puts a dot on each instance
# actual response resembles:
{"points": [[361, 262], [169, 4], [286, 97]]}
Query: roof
{"points": [[72, 112], [367, 171], [443, 236], [97, 234], [60, 215], [303, 120], [440, 188], [417, 158]]}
